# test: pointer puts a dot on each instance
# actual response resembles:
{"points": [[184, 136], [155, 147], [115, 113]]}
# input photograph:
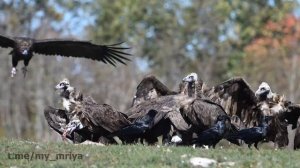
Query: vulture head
{"points": [[63, 85], [24, 45], [264, 92], [64, 88], [192, 77]]}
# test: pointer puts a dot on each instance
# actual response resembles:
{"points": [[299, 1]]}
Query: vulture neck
{"points": [[192, 89]]}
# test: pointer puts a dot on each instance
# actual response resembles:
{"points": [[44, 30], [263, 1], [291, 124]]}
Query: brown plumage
{"points": [[168, 108], [83, 113], [150, 88], [23, 49], [237, 99]]}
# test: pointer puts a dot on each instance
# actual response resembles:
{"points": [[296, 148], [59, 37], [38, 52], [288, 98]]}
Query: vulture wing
{"points": [[178, 121], [68, 48], [150, 88], [105, 116], [56, 118], [6, 42], [236, 97]]}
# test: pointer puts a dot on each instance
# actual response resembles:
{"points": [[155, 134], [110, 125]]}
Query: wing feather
{"points": [[148, 85], [236, 97], [105, 116], [6, 42], [82, 49]]}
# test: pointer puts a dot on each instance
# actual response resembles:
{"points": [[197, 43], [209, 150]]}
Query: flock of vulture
{"points": [[196, 114]]}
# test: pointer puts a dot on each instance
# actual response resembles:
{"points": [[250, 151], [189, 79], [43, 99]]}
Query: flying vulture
{"points": [[23, 48]]}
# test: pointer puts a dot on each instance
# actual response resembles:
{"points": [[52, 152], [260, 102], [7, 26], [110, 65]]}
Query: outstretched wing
{"points": [[57, 120], [6, 42], [84, 49], [236, 97], [150, 88]]}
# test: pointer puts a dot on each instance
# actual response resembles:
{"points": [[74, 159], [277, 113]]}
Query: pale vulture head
{"points": [[192, 77], [264, 91], [63, 85]]}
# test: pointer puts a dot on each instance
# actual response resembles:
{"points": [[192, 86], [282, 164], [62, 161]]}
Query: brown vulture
{"points": [[23, 49], [84, 114], [149, 89], [168, 116], [238, 100]]}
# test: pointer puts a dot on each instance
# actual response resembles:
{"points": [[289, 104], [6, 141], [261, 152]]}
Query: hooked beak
{"points": [[186, 79], [57, 87]]}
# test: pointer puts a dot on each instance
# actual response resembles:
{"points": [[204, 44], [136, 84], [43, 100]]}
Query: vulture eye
{"points": [[263, 89]]}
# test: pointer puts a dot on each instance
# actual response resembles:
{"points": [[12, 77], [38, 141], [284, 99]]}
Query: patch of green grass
{"points": [[135, 155]]}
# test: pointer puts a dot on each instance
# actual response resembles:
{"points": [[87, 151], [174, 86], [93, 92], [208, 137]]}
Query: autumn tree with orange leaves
{"points": [[274, 57]]}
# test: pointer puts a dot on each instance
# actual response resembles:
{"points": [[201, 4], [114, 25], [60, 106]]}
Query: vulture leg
{"points": [[13, 72], [24, 69], [255, 145], [249, 145], [14, 69]]}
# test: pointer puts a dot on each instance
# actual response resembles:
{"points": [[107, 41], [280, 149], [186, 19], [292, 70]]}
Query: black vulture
{"points": [[23, 49]]}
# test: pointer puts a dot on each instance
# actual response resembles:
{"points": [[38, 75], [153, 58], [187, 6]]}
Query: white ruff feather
{"points": [[66, 104]]}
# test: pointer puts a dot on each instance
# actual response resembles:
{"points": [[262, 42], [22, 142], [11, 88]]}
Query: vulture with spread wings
{"points": [[23, 49], [237, 99]]}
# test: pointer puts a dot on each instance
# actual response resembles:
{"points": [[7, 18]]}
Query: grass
{"points": [[135, 155]]}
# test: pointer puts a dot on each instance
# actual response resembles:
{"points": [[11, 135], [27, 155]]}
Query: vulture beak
{"points": [[57, 87], [264, 91]]}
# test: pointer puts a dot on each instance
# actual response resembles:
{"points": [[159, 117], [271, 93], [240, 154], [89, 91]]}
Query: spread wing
{"points": [[150, 88], [57, 120], [6, 42], [236, 97], [84, 49], [105, 116]]}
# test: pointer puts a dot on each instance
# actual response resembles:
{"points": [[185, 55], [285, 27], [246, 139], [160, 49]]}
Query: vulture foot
{"points": [[24, 69], [13, 72]]}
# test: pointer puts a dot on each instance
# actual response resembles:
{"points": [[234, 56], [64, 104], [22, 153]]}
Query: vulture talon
{"points": [[13, 72]]}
